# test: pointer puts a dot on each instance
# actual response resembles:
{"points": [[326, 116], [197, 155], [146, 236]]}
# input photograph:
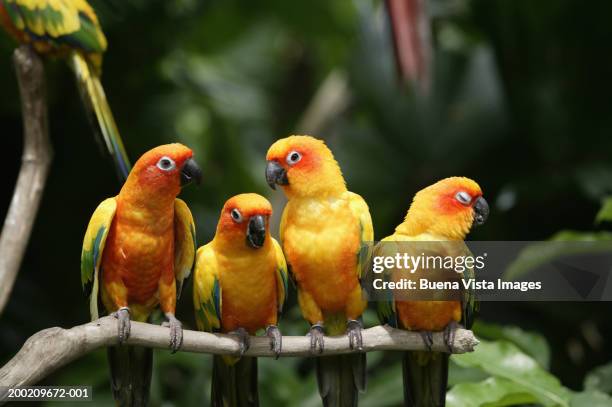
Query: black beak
{"points": [[275, 174], [190, 172], [256, 231], [481, 211]]}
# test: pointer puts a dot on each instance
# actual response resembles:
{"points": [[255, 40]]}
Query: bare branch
{"points": [[52, 348], [35, 163]]}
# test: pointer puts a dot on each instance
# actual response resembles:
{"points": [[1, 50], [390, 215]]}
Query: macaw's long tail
{"points": [[234, 384], [341, 378], [97, 106], [130, 368], [425, 379]]}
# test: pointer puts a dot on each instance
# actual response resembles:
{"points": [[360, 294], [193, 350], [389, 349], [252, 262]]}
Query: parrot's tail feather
{"points": [[130, 368], [100, 113], [234, 385], [341, 378], [425, 379]]}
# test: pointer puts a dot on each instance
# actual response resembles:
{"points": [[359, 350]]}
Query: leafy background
{"points": [[520, 102]]}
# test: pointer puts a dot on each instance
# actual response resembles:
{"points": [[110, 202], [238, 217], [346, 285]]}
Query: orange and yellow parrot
{"points": [[322, 229], [442, 212], [70, 29], [138, 249], [240, 286]]}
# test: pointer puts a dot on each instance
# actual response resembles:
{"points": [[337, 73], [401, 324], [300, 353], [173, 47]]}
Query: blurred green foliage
{"points": [[519, 102]]}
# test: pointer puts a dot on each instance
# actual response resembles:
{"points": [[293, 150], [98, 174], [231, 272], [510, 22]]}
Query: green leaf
{"points": [[605, 213], [505, 360], [591, 399], [540, 253], [494, 391], [532, 343], [599, 379]]}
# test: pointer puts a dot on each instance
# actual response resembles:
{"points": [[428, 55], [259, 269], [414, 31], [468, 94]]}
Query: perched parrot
{"points": [[70, 29], [138, 249], [322, 229], [240, 286], [442, 212]]}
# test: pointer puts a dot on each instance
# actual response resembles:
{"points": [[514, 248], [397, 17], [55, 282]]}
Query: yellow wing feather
{"points": [[184, 243], [207, 290], [93, 248], [282, 275], [362, 213]]}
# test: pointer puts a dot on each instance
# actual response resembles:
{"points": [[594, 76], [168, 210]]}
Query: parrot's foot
{"points": [[276, 340], [317, 343], [123, 315], [449, 335], [176, 332], [244, 340], [427, 337], [353, 330]]}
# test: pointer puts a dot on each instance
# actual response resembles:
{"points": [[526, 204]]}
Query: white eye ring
{"points": [[293, 157], [236, 215], [463, 197], [166, 164]]}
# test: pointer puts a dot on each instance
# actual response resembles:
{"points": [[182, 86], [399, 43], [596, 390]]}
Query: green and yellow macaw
{"points": [[70, 29], [440, 217], [240, 286], [138, 249]]}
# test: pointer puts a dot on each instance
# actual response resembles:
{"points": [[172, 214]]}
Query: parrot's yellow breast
{"points": [[248, 289], [321, 240]]}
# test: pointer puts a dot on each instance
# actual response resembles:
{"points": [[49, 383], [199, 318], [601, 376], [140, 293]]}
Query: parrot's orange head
{"points": [[245, 220], [165, 169], [449, 208], [303, 166]]}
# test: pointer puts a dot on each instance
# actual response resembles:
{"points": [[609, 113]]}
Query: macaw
{"points": [[240, 286], [323, 227], [442, 212], [138, 250], [70, 29]]}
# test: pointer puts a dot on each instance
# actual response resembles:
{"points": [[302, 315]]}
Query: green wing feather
{"points": [[93, 248], [362, 213], [282, 276], [207, 290], [59, 23], [184, 243]]}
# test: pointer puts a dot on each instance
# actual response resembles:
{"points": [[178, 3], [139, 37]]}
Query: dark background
{"points": [[520, 102]]}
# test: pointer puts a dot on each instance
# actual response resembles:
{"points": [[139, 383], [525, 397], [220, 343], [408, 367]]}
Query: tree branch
{"points": [[35, 163], [52, 348]]}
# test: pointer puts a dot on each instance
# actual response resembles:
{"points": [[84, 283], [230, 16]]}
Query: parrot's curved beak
{"points": [[191, 172], [276, 175], [481, 211], [256, 231]]}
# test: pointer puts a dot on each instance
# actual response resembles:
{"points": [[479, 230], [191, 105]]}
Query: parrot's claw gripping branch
{"points": [[123, 325], [176, 332], [276, 340], [317, 343], [52, 348], [353, 330], [244, 340]]}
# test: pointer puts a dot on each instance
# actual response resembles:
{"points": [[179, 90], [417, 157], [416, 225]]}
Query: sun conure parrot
{"points": [[138, 249], [240, 286], [322, 229], [70, 29], [442, 212]]}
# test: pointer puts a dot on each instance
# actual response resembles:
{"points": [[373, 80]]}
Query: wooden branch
{"points": [[35, 163], [52, 348]]}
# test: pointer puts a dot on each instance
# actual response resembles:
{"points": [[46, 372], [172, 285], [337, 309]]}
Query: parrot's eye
{"points": [[236, 215], [463, 197], [293, 157], [166, 164]]}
